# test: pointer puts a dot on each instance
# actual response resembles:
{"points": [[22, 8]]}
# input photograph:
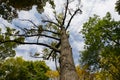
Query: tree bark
{"points": [[67, 66]]}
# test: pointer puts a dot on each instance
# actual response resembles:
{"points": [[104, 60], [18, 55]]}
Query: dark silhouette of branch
{"points": [[29, 21], [38, 39], [31, 43], [72, 17], [51, 22], [56, 63], [36, 30], [32, 35], [66, 9], [110, 38], [21, 28], [57, 46], [51, 31], [57, 19]]}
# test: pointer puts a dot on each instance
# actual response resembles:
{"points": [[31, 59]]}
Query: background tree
{"points": [[18, 69], [7, 49], [53, 75], [9, 8], [58, 44], [117, 7], [102, 45]]}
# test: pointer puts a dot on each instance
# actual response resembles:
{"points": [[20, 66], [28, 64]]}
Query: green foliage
{"points": [[7, 49], [40, 29], [102, 44], [19, 69], [53, 74], [8, 8], [117, 7]]}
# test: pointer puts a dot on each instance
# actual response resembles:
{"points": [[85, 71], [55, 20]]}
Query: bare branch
{"points": [[32, 35], [72, 17], [31, 43], [29, 21], [51, 22], [21, 28], [37, 30], [38, 39], [51, 31], [57, 46], [66, 8], [56, 63], [57, 19], [69, 11]]}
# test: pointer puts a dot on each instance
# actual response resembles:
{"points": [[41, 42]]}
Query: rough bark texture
{"points": [[67, 67]]}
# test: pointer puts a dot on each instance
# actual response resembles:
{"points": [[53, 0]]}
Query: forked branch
{"points": [[66, 9], [29, 21], [72, 17], [51, 22], [57, 46]]}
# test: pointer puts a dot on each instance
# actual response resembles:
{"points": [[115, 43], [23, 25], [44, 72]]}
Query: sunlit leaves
{"points": [[118, 6], [7, 49], [52, 74], [111, 65], [101, 40], [17, 68]]}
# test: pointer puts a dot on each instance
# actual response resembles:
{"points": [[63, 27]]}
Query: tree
{"points": [[9, 8], [102, 43], [7, 49], [117, 7], [58, 46], [53, 75], [18, 69], [82, 73]]}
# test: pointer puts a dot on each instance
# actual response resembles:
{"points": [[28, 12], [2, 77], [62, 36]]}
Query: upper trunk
{"points": [[67, 67]]}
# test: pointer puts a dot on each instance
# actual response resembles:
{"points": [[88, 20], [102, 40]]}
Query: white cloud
{"points": [[51, 64]]}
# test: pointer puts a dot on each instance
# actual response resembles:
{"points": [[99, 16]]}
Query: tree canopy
{"points": [[8, 49], [117, 7], [9, 8], [19, 69], [102, 45]]}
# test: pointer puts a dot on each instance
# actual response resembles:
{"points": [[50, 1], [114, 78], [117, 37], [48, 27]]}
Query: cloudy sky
{"points": [[89, 7]]}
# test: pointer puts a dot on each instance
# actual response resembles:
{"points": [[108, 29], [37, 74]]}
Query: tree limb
{"points": [[29, 21], [25, 35], [53, 50], [66, 8], [51, 31], [72, 17], [31, 43], [57, 19], [51, 22], [21, 28], [37, 30]]}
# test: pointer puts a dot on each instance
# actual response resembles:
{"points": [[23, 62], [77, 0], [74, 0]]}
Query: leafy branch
{"points": [[31, 43]]}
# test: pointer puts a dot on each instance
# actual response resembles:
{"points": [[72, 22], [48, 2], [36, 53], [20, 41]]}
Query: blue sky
{"points": [[89, 7]]}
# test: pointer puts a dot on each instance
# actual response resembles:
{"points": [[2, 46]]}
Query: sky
{"points": [[88, 7]]}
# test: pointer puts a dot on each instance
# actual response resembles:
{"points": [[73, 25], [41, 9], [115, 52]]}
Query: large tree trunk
{"points": [[67, 67]]}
